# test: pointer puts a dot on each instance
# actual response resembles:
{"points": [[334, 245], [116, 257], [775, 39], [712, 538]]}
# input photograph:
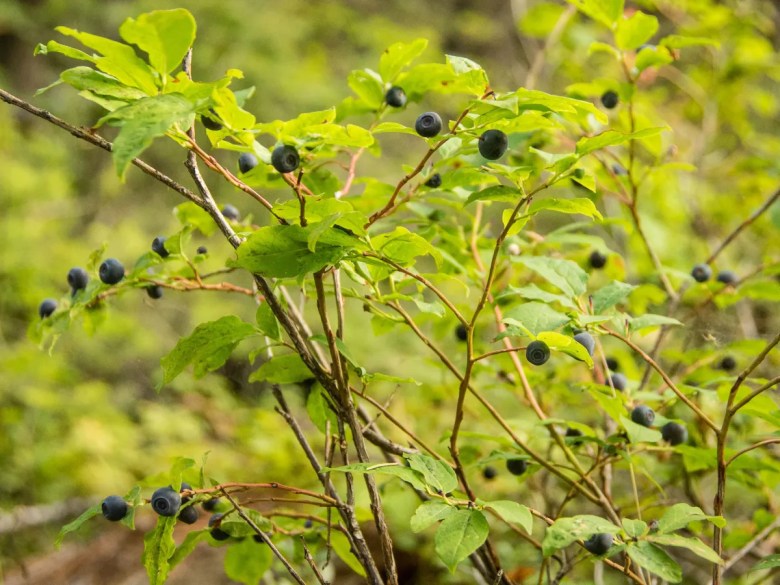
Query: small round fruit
{"points": [[77, 279], [111, 271], [309, 523], [574, 436], [597, 259], [47, 307], [643, 415], [489, 472], [114, 508], [185, 487], [701, 272], [216, 532], [166, 501], [728, 363], [210, 121], [231, 212], [537, 352], [461, 332], [492, 144], [158, 246], [258, 539], [613, 364], [516, 466], [202, 249], [586, 340], [155, 292], [618, 382], [189, 515], [246, 162], [674, 433], [395, 97], [619, 170], [727, 277], [434, 182], [285, 158], [211, 505], [609, 99], [428, 124], [598, 544]]}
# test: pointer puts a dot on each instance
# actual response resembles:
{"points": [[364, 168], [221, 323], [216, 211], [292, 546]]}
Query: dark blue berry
{"points": [[586, 340], [674, 433], [597, 259], [643, 415], [428, 124], [77, 279], [155, 292], [489, 472], [609, 99], [166, 501], [202, 249], [114, 508], [618, 382], [231, 212], [395, 97], [728, 363], [285, 158], [189, 515], [111, 271], [210, 121], [434, 182], [246, 162], [158, 246], [727, 277], [516, 466], [598, 544], [537, 352], [492, 144], [216, 532], [47, 307], [461, 332], [613, 364], [211, 505], [701, 272]]}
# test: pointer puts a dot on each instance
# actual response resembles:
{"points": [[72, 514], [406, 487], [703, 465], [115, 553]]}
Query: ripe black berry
{"points": [[609, 99], [574, 436], [598, 544], [184, 488], [537, 352], [586, 340], [155, 292], [728, 363], [613, 364], [47, 307], [597, 259], [492, 144], [674, 433], [516, 466], [114, 508], [189, 515], [216, 532], [643, 415], [210, 121], [701, 272], [395, 97], [77, 279], [489, 472], [246, 162], [202, 249], [166, 501], [111, 271], [727, 277], [461, 332], [285, 158], [158, 246], [211, 505], [618, 382], [434, 182], [428, 124], [231, 212]]}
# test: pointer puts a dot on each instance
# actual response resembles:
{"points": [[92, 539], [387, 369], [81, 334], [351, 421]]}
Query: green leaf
{"points": [[208, 346], [429, 513], [613, 137], [536, 317], [189, 213], [437, 474], [402, 246], [386, 127], [496, 193], [610, 295], [343, 550], [534, 293], [76, 524], [652, 57], [681, 42], [634, 528], [282, 251], [159, 547], [55, 47], [368, 87], [768, 562], [656, 560], [319, 409], [680, 515], [187, 546], [459, 535], [337, 135], [237, 527], [86, 78], [407, 474], [563, 274], [612, 405], [692, 543], [607, 12], [513, 512], [638, 433], [267, 323], [398, 56], [650, 320], [133, 499], [247, 561], [116, 59], [143, 121], [635, 30], [579, 205], [282, 369], [565, 531], [164, 35], [567, 345]]}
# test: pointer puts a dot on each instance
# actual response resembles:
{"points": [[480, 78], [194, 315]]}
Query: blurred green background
{"points": [[86, 421]]}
